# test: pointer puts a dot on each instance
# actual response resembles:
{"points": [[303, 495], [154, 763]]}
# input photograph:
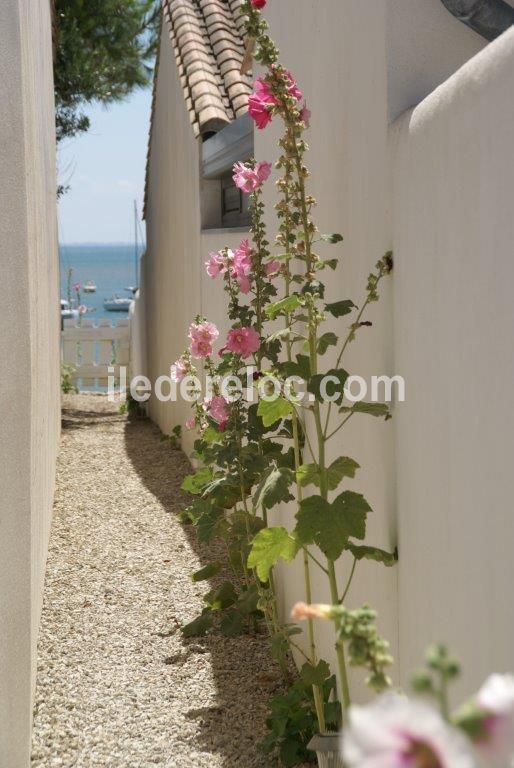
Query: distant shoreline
{"points": [[97, 245]]}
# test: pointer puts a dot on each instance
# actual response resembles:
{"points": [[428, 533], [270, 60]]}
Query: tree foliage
{"points": [[104, 50]]}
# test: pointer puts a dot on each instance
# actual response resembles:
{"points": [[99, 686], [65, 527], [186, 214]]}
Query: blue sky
{"points": [[105, 169]]}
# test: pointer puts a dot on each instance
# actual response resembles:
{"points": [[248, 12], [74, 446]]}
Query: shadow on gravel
{"points": [[243, 672]]}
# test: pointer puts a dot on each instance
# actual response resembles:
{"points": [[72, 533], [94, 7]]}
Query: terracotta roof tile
{"points": [[208, 43], [207, 37]]}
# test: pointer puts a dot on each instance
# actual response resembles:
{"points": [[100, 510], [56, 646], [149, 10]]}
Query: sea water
{"points": [[111, 267]]}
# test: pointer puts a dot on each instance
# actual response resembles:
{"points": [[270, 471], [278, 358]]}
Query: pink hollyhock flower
{"points": [[219, 410], [202, 336], [261, 103], [200, 349], [272, 267], [258, 4], [394, 732], [242, 265], [216, 264], [191, 423], [178, 370], [305, 115], [243, 341], [292, 87], [249, 179], [496, 698], [263, 171], [303, 611], [203, 332], [77, 287]]}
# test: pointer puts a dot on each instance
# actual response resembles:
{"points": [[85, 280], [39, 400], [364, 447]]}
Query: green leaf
{"points": [[272, 411], [274, 487], [335, 238], [278, 336], [308, 474], [327, 340], [373, 409], [314, 384], [196, 483], [301, 368], [232, 624], [248, 600], [289, 304], [268, 547], [291, 752], [340, 468], [207, 572], [314, 288], [207, 524], [340, 308], [373, 553], [332, 263], [315, 675], [222, 597], [199, 626], [331, 525]]}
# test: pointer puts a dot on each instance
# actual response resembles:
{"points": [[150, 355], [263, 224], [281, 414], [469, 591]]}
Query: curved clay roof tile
{"points": [[207, 37]]}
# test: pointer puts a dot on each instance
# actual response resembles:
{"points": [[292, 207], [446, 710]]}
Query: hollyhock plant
{"points": [[248, 179], [219, 410], [261, 103], [394, 732], [202, 336], [243, 341], [242, 265], [216, 264], [272, 267], [305, 115], [292, 86], [179, 370], [304, 611], [204, 331], [495, 699], [191, 423]]}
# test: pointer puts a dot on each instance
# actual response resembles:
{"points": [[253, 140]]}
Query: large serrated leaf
{"points": [[372, 409], [331, 525], [268, 547], [328, 339], [199, 626], [289, 304], [207, 572], [196, 482], [315, 675], [274, 487], [373, 553], [275, 410], [340, 308]]}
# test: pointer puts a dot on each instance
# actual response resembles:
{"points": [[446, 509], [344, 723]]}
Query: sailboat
{"points": [[120, 303]]}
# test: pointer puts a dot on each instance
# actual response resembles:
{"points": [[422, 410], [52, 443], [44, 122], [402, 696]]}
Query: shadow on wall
{"points": [[240, 691]]}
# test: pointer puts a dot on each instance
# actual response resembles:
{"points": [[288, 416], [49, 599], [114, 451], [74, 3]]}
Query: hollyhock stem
{"points": [[313, 352]]}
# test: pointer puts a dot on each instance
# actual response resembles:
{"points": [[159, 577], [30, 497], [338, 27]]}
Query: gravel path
{"points": [[117, 685]]}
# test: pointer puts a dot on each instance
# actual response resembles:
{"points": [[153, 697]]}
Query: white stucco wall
{"points": [[454, 315], [29, 386]]}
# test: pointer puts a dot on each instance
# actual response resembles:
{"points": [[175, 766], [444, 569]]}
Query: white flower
{"points": [[496, 698], [394, 732]]}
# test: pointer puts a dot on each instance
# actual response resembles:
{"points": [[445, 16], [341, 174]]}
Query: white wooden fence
{"points": [[95, 350]]}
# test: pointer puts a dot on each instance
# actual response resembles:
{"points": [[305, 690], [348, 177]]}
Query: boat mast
{"points": [[136, 254]]}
